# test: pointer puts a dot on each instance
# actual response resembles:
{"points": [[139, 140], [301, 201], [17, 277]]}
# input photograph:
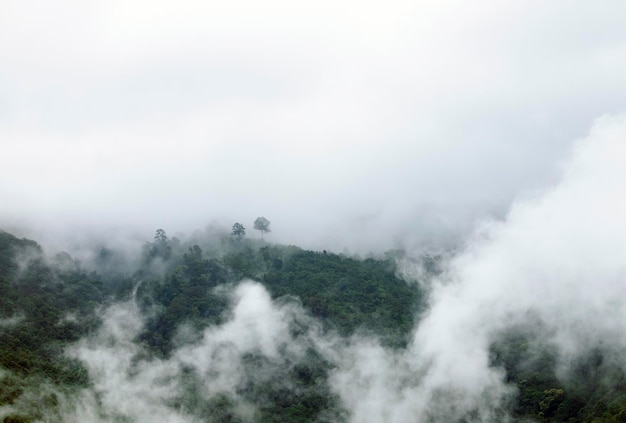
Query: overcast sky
{"points": [[356, 124]]}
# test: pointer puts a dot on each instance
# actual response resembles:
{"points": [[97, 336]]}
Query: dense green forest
{"points": [[49, 303]]}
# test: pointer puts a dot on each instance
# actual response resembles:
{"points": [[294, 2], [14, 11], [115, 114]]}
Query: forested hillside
{"points": [[225, 352]]}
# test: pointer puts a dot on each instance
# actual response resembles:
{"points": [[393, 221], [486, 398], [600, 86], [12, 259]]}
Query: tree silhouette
{"points": [[262, 224], [239, 231]]}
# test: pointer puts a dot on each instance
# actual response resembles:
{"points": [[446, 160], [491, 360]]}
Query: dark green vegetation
{"points": [[46, 304], [594, 389], [42, 307], [49, 303]]}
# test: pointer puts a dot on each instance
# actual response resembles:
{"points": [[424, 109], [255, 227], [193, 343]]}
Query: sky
{"points": [[360, 125], [553, 268]]}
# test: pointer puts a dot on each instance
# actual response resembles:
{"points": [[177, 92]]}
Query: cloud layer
{"points": [[207, 366], [557, 256], [345, 123]]}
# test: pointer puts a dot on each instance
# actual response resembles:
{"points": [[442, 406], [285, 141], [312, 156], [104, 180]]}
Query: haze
{"points": [[347, 124]]}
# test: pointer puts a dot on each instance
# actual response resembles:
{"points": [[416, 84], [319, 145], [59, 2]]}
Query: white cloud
{"points": [[128, 384], [556, 256], [176, 113]]}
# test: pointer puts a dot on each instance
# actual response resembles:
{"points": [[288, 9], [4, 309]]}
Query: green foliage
{"points": [[238, 232], [185, 296], [16, 418], [44, 306], [161, 248], [47, 304], [292, 392], [346, 293], [262, 224], [594, 389]]}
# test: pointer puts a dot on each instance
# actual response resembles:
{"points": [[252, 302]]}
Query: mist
{"points": [[483, 144], [553, 265], [556, 256], [258, 344], [347, 125]]}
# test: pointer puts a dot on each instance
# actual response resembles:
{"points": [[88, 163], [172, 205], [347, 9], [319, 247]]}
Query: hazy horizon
{"points": [[347, 124], [498, 128]]}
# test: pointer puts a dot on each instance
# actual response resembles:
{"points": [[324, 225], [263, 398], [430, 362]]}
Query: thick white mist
{"points": [[127, 384], [559, 254]]}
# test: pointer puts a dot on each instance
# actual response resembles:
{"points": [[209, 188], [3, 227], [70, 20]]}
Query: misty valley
{"points": [[446, 181], [221, 327]]}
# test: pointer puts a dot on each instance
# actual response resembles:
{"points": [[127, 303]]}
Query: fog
{"points": [[347, 124], [494, 130], [553, 263], [130, 384], [556, 256]]}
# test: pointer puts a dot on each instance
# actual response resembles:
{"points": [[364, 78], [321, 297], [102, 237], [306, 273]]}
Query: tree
{"points": [[262, 224], [159, 248], [160, 237], [239, 231]]}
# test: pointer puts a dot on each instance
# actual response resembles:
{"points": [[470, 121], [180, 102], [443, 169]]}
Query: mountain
{"points": [[233, 329]]}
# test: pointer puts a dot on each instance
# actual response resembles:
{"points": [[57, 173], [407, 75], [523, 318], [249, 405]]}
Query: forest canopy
{"points": [[182, 296]]}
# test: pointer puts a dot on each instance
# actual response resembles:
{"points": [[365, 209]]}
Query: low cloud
{"points": [[558, 256], [207, 366], [554, 265], [346, 124]]}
